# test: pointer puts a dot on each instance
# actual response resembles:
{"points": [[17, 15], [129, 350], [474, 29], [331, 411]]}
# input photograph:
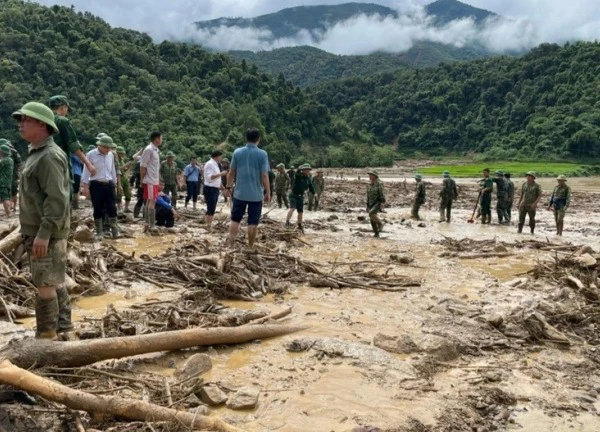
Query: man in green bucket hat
{"points": [[375, 201], [66, 138], [16, 158], [282, 184], [45, 218], [419, 199], [560, 202], [302, 182], [169, 172], [102, 186], [448, 194], [501, 198], [125, 190], [531, 193]]}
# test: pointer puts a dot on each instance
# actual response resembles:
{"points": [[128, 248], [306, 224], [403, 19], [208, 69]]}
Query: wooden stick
{"points": [[273, 316], [104, 405]]}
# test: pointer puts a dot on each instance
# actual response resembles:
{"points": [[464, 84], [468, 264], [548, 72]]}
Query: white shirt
{"points": [[105, 167], [211, 168], [151, 161]]}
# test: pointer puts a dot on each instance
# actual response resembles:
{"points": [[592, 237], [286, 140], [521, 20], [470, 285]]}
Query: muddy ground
{"points": [[463, 351]]}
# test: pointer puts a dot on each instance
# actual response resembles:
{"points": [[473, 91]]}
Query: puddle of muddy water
{"points": [[148, 245]]}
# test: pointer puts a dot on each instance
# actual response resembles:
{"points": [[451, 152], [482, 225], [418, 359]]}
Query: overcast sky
{"points": [[531, 23]]}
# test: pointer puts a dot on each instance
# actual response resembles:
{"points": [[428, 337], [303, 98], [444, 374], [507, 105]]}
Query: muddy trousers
{"points": [[445, 209], [137, 209], [415, 209], [486, 208], [559, 218], [376, 223], [501, 210], [282, 199], [171, 190], [313, 201], [509, 205], [525, 211]]}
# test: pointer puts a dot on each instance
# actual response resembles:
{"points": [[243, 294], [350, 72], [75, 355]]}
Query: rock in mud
{"points": [[321, 282], [500, 249], [584, 250], [83, 235], [586, 260], [212, 395], [402, 344], [441, 348], [195, 365], [402, 259], [495, 320], [332, 218], [515, 283], [245, 398]]}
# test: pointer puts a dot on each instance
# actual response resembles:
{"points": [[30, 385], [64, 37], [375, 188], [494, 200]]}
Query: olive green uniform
{"points": [[529, 195], [314, 198], [169, 173], [510, 197], [419, 199], [16, 157], [126, 189], [501, 199], [560, 202], [375, 198], [66, 139], [282, 184], [6, 177], [448, 194], [300, 185], [486, 200], [44, 202]]}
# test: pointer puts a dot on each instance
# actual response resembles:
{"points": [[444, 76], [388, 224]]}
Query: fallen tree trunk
{"points": [[11, 241], [102, 406], [39, 353]]}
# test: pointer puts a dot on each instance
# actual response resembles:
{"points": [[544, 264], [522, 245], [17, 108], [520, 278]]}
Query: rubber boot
{"points": [[301, 228], [46, 313], [375, 229], [64, 323], [75, 204], [380, 226], [520, 230], [99, 230], [288, 224], [442, 216], [106, 226], [114, 228], [127, 207]]}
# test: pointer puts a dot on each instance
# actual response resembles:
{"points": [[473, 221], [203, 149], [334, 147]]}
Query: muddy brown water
{"points": [[304, 392]]}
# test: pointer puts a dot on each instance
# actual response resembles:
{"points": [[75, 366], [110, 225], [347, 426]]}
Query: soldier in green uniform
{"points": [[169, 173], [66, 138], [225, 164], [16, 157], [6, 177], [419, 197], [375, 201], [531, 193], [510, 195], [501, 198], [125, 188], [318, 182], [487, 187], [560, 201], [300, 185], [135, 181], [44, 218], [282, 184], [292, 174], [448, 194]]}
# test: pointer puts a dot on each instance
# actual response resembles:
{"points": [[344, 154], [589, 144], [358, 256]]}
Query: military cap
{"points": [[507, 174], [90, 148], [561, 178], [446, 173], [305, 167], [319, 170], [106, 141], [37, 111], [373, 173], [530, 173], [292, 167], [170, 154], [418, 176], [58, 100], [5, 149], [224, 160], [120, 149], [280, 166], [499, 173]]}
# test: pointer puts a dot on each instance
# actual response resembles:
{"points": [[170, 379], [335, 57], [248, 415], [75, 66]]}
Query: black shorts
{"points": [[76, 183], [297, 202], [238, 209], [211, 196]]}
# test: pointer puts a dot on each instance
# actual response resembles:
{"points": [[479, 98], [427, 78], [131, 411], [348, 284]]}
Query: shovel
{"points": [[472, 220]]}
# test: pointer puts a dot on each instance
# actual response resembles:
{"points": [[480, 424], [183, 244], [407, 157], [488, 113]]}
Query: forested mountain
{"points": [[306, 66], [288, 22], [123, 84], [543, 105]]}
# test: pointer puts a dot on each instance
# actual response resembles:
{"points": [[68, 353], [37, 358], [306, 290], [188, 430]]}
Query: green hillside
{"points": [[544, 105], [123, 84], [446, 11], [307, 66], [287, 22]]}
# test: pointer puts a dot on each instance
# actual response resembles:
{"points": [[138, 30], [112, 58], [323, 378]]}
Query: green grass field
{"points": [[517, 169]]}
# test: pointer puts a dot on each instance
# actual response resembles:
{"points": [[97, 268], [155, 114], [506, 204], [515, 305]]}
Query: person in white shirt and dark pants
{"points": [[212, 185], [101, 186]]}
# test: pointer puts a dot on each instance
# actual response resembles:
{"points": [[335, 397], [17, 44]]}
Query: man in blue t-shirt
{"points": [[250, 171], [77, 172]]}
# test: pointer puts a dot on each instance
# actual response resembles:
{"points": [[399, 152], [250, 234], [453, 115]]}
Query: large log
{"points": [[37, 352], [102, 406], [11, 241]]}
